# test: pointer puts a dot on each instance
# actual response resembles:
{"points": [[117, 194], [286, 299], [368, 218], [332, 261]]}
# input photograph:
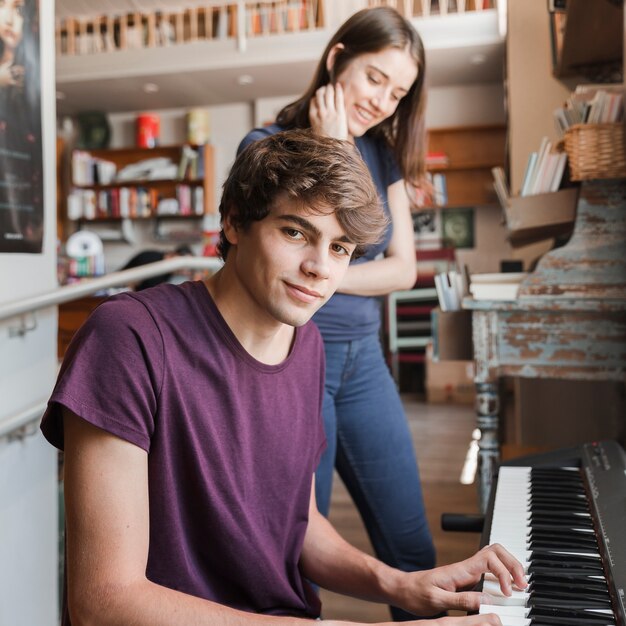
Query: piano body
{"points": [[563, 514], [568, 322]]}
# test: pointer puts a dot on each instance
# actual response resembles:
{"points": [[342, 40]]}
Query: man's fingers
{"points": [[505, 567]]}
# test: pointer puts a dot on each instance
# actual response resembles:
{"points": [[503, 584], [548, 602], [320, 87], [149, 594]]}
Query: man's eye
{"points": [[293, 233], [342, 250]]}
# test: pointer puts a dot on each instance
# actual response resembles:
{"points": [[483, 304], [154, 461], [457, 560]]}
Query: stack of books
{"points": [[544, 170], [590, 104], [497, 286]]}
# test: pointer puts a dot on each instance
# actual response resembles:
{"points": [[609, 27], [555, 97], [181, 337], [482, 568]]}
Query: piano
{"points": [[563, 515]]}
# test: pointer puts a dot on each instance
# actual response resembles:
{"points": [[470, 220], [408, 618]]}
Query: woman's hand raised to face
{"points": [[327, 112]]}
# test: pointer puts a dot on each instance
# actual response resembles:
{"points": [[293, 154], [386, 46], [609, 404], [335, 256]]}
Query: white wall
{"points": [[28, 465], [465, 105]]}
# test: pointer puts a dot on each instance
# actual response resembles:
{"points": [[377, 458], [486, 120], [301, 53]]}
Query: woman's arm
{"points": [[398, 269]]}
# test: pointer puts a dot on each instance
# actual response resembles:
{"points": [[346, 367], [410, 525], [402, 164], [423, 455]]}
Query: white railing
{"points": [[22, 424], [115, 279]]}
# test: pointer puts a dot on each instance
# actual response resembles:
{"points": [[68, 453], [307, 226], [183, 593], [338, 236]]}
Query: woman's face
{"points": [[373, 86], [11, 22]]}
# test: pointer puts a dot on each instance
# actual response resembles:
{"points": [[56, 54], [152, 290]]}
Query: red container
{"points": [[147, 126]]}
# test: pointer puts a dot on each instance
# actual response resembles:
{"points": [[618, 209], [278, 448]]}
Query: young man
{"points": [[190, 419]]}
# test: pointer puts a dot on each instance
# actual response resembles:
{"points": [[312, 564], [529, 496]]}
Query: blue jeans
{"points": [[370, 445]]}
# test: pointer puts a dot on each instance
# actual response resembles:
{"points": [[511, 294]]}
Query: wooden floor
{"points": [[441, 435]]}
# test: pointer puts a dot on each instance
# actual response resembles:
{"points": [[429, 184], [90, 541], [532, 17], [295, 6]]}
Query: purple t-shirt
{"points": [[232, 443]]}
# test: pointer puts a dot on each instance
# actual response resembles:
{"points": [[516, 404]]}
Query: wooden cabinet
{"points": [[471, 153], [179, 185], [587, 40]]}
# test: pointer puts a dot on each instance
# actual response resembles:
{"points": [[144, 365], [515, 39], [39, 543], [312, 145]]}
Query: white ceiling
{"points": [[207, 73]]}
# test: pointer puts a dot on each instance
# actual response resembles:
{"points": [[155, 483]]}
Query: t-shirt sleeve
{"points": [[111, 375]]}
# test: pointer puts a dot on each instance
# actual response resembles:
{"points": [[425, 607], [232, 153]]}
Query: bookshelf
{"points": [[160, 28], [468, 154], [172, 182]]}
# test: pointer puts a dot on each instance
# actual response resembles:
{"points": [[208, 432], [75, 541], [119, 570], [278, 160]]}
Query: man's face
{"points": [[290, 263]]}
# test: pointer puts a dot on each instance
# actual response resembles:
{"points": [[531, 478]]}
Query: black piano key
{"points": [[549, 526], [559, 564], [569, 490], [570, 617], [565, 544], [570, 558], [572, 590], [570, 533], [573, 506], [556, 600], [549, 568], [557, 513], [566, 578], [578, 522], [557, 621]]}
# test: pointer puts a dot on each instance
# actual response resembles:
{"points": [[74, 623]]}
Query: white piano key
{"points": [[507, 619]]}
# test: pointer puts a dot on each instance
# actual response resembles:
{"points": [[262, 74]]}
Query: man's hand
{"points": [[327, 112], [446, 587]]}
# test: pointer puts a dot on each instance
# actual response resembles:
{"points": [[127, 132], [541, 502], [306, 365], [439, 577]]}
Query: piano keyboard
{"points": [[544, 516]]}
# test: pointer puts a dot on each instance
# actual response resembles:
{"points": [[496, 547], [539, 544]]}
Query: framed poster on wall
{"points": [[21, 160]]}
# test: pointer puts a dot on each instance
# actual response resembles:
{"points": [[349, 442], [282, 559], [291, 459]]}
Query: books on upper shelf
{"points": [[157, 27], [496, 286]]}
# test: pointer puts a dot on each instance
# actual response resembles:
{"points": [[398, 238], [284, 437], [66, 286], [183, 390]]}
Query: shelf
{"points": [[139, 198], [102, 220], [450, 167], [471, 152], [164, 182]]}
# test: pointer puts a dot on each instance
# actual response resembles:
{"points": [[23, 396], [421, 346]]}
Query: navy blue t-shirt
{"points": [[346, 317]]}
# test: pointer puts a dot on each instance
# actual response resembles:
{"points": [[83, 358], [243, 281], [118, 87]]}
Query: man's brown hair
{"points": [[324, 174]]}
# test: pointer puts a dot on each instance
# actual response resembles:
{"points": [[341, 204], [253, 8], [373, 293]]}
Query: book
{"points": [[497, 286], [528, 174]]}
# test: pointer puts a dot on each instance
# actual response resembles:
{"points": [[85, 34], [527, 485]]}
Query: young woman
{"points": [[369, 89]]}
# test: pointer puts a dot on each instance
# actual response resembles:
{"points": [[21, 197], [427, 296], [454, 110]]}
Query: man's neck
{"points": [[265, 339]]}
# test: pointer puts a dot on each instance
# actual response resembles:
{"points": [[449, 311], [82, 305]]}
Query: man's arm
{"points": [[331, 562], [107, 518]]}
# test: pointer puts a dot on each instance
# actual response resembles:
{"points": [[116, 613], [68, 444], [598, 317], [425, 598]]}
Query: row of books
{"points": [[133, 30], [544, 170], [590, 104], [86, 266], [451, 288], [134, 202], [420, 8]]}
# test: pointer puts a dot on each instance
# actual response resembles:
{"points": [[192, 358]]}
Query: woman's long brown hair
{"points": [[370, 31]]}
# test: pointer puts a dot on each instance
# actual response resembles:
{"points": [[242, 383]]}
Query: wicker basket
{"points": [[596, 151]]}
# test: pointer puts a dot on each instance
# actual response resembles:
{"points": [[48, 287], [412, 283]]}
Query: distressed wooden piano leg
{"points": [[487, 409]]}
